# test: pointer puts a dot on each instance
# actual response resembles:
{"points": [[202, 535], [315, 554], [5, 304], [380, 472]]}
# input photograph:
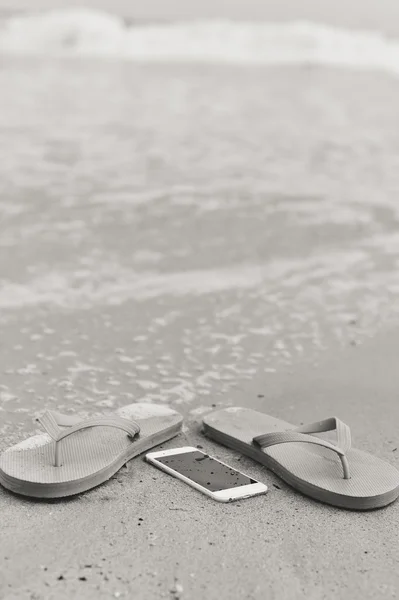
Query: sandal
{"points": [[334, 473], [76, 455]]}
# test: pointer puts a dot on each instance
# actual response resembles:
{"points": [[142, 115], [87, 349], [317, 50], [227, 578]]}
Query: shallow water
{"points": [[169, 231]]}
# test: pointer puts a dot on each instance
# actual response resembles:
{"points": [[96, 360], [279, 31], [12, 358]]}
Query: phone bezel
{"points": [[228, 495]]}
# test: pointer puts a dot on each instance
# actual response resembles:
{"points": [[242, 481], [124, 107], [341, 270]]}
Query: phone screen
{"points": [[205, 470]]}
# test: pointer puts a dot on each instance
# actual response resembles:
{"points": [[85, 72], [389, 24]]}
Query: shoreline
{"points": [[353, 15]]}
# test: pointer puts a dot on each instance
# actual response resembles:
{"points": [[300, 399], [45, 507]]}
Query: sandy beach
{"points": [[146, 535], [198, 208]]}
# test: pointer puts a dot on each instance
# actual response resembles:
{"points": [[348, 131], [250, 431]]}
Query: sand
{"points": [[146, 535], [98, 308]]}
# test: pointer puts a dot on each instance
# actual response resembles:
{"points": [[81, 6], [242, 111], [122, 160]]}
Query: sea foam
{"points": [[89, 33]]}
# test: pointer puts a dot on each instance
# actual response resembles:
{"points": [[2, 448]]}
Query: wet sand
{"points": [[146, 535]]}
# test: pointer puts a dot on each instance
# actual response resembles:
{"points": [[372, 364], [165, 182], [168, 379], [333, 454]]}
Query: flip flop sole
{"points": [[91, 456], [312, 470]]}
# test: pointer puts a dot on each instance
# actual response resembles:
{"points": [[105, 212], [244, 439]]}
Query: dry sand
{"points": [[146, 535]]}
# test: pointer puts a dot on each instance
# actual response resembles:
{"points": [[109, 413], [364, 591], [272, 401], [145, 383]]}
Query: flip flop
{"points": [[330, 472], [76, 455]]}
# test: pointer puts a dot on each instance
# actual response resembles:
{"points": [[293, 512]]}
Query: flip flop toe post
{"points": [[75, 455], [330, 471]]}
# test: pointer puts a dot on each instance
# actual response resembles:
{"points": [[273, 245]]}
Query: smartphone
{"points": [[208, 475]]}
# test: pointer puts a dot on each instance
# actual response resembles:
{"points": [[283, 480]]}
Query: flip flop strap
{"points": [[343, 431], [301, 434], [51, 421]]}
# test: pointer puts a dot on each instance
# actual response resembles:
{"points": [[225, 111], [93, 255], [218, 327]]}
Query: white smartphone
{"points": [[208, 475]]}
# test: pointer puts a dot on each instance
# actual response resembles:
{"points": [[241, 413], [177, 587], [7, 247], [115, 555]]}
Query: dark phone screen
{"points": [[205, 471]]}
